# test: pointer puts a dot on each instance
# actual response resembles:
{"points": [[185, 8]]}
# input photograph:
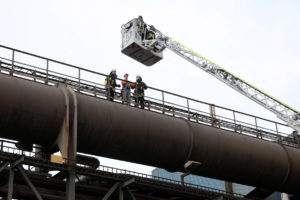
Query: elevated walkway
{"points": [[50, 72]]}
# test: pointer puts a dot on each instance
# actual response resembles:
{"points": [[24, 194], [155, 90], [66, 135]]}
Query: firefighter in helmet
{"points": [[110, 85], [139, 91]]}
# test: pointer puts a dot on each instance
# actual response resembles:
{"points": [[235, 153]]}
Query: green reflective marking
{"points": [[236, 76]]}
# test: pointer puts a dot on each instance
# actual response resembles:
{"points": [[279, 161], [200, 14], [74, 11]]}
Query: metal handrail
{"points": [[164, 104]]}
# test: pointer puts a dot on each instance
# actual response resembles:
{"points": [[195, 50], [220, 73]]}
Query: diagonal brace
{"points": [[130, 194], [17, 162], [3, 166], [34, 190], [126, 183], [111, 190]]}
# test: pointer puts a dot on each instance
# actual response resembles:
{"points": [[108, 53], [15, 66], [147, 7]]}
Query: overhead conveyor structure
{"points": [[149, 50], [37, 107]]}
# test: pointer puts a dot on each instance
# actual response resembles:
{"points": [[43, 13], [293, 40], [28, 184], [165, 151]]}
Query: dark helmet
{"points": [[138, 78], [140, 18]]}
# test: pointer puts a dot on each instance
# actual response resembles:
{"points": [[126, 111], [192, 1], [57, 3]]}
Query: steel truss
{"points": [[91, 183]]}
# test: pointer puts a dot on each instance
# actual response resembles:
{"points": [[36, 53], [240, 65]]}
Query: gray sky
{"points": [[256, 40]]}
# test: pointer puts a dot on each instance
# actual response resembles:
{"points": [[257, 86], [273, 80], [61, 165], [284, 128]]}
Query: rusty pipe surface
{"points": [[33, 113]]}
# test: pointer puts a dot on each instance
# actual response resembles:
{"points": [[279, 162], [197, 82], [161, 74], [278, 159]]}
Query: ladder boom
{"points": [[159, 42]]}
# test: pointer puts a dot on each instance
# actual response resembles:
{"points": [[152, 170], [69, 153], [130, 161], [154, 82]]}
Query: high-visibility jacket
{"points": [[110, 83]]}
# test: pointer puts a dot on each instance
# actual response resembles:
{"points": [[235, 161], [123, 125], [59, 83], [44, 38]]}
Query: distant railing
{"points": [[37, 157], [50, 72]]}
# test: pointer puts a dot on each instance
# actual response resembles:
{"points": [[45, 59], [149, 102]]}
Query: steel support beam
{"points": [[121, 193], [126, 183], [111, 191], [130, 194], [70, 185], [17, 162], [228, 187], [34, 190], [67, 139], [10, 184], [3, 166]]}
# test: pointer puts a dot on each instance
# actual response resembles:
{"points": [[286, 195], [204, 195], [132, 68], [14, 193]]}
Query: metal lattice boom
{"points": [[160, 41]]}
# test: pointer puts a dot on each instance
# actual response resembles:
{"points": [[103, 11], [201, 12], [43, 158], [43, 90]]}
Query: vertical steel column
{"points": [[72, 151], [121, 194], [10, 184], [67, 139], [70, 185], [228, 187]]}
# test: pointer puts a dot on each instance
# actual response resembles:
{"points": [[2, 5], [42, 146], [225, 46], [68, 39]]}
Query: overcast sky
{"points": [[256, 40]]}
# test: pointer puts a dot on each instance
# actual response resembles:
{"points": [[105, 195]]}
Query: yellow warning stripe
{"points": [[235, 76]]}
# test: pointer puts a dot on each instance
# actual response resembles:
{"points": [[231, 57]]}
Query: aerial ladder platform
{"points": [[146, 44]]}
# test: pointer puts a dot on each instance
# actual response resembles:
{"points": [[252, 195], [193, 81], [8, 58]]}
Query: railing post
{"points": [[173, 111], [163, 102], [296, 137], [78, 90], [257, 133], [47, 71], [95, 91], [188, 107], [276, 128], [34, 78], [234, 120], [12, 62], [212, 110]]}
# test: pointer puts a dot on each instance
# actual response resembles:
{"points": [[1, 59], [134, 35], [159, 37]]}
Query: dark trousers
{"points": [[110, 94], [140, 101]]}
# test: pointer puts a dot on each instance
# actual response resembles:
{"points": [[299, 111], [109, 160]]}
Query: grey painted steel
{"points": [[4, 166], [128, 133], [10, 184], [111, 191], [28, 181]]}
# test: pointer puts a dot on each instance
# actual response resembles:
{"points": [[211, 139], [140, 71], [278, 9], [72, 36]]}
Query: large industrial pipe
{"points": [[33, 113]]}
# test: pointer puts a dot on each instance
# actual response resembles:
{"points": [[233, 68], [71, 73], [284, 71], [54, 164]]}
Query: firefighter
{"points": [[141, 27], [125, 90], [139, 88], [110, 85]]}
